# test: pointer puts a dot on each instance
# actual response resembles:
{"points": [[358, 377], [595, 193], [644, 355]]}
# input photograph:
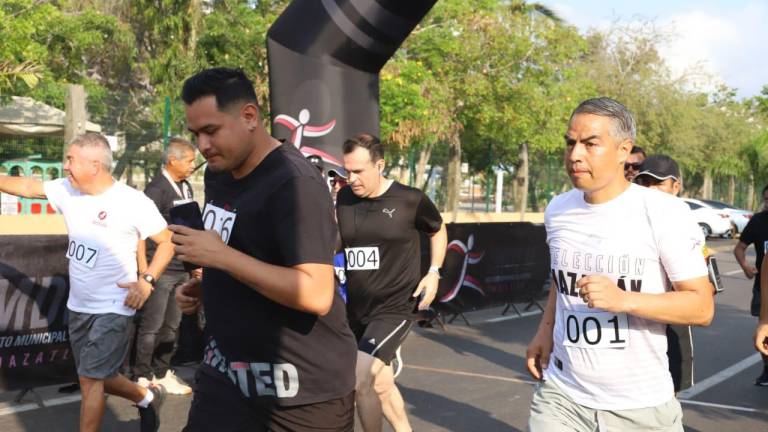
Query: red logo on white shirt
{"points": [[102, 215]]}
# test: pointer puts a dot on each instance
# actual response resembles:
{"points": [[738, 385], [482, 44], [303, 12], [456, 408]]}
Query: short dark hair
{"points": [[623, 122], [227, 85], [765, 189], [637, 149], [366, 141]]}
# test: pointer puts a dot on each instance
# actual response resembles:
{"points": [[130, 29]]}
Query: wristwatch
{"points": [[148, 278], [437, 270]]}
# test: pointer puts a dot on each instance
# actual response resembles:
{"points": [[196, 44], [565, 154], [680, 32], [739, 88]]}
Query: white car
{"points": [[739, 217], [712, 222]]}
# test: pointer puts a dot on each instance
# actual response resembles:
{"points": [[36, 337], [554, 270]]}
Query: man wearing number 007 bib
{"points": [[105, 220], [379, 222], [600, 349]]}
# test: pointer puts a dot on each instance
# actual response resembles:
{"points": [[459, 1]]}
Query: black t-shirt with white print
{"points": [[280, 213], [381, 242]]}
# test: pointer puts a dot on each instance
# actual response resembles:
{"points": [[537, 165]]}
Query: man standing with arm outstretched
{"points": [[105, 219]]}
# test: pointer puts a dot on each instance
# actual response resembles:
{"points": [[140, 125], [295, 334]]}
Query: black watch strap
{"points": [[149, 279]]}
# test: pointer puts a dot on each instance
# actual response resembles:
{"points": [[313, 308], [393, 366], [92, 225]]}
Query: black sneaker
{"points": [[762, 380], [150, 416]]}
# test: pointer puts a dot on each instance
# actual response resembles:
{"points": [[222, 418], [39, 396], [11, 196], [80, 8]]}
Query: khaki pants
{"points": [[553, 411]]}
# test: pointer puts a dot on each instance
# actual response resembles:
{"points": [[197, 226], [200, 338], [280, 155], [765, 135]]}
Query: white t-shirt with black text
{"points": [[639, 239], [104, 231]]}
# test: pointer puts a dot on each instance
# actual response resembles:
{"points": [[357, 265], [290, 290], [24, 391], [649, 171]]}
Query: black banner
{"points": [[491, 264], [34, 285], [324, 62]]}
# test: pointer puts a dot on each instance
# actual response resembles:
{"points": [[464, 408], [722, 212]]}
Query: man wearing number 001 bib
{"points": [[105, 220], [379, 222], [279, 354], [600, 349]]}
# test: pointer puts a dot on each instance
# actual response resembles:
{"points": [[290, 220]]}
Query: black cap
{"points": [[660, 167]]}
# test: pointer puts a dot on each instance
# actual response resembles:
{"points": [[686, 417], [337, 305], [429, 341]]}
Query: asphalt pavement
{"points": [[472, 377]]}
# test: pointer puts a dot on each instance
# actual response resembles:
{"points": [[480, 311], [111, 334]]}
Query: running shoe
{"points": [[149, 417], [173, 384], [762, 380]]}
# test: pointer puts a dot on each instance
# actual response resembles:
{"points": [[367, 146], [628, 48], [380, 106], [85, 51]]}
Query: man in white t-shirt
{"points": [[600, 348], [105, 219]]}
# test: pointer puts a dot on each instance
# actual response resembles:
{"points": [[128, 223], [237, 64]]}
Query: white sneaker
{"points": [[143, 381], [173, 385]]}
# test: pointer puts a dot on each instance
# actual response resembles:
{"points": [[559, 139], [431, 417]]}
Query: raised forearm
{"points": [[305, 287], [22, 186], [686, 307]]}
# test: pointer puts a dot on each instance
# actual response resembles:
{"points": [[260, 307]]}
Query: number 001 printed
{"points": [[595, 329]]}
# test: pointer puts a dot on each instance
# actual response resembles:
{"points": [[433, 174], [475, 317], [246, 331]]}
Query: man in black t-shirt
{"points": [[279, 355], [755, 233], [380, 221], [160, 316]]}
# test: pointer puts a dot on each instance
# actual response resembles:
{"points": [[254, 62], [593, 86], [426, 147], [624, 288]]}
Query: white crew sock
{"points": [[148, 398]]}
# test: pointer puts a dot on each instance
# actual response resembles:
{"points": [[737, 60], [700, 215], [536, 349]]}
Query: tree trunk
{"points": [[421, 164], [731, 190], [706, 188], [454, 174], [521, 181], [751, 192]]}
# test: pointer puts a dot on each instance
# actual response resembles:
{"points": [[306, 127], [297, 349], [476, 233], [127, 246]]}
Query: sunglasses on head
{"points": [[635, 166]]}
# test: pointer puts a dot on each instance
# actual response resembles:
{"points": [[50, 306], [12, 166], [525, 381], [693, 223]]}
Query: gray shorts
{"points": [[553, 411], [99, 343]]}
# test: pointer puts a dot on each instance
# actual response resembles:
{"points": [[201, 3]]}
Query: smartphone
{"points": [[714, 275], [188, 215]]}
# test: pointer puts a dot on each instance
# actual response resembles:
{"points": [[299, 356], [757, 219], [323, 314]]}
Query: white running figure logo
{"points": [[388, 212], [300, 128]]}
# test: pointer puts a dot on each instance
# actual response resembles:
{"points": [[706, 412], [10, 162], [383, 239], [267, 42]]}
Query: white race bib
{"points": [[362, 258], [595, 329], [82, 253], [220, 220]]}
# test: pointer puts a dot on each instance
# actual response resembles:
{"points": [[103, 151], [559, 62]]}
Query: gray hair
{"points": [[97, 141], [177, 147], [623, 122]]}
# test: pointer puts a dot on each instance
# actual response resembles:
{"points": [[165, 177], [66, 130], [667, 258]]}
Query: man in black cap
{"points": [[662, 173]]}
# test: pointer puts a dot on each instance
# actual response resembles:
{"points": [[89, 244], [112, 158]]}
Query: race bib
{"points": [[362, 258], [595, 329], [220, 220], [82, 253]]}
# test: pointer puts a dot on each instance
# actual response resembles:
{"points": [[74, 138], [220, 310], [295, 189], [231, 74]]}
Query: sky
{"points": [[727, 38]]}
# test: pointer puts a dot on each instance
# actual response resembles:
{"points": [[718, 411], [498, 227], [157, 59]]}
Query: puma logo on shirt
{"points": [[388, 211]]}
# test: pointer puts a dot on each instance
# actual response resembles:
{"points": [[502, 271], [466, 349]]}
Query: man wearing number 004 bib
{"points": [[279, 353], [600, 349], [105, 220], [380, 221]]}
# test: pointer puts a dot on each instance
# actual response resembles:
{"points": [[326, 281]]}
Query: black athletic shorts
{"points": [[219, 406], [382, 336], [680, 355]]}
